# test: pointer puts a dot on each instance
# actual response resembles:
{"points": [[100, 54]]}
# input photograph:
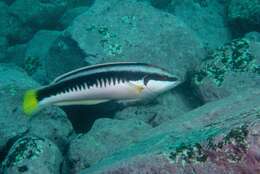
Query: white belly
{"points": [[94, 95]]}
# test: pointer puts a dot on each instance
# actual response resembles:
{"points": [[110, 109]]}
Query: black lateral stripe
{"points": [[89, 68], [90, 80]]}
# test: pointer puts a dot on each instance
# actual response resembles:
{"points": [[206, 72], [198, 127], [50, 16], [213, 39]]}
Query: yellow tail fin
{"points": [[30, 102]]}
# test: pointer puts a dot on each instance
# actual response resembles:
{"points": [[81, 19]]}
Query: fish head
{"points": [[159, 83]]}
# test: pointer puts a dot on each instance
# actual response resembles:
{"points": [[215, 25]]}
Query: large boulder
{"points": [[37, 13], [228, 70], [163, 109], [36, 53], [12, 28], [16, 54], [106, 137], [68, 17], [8, 2], [134, 31], [51, 123], [3, 48], [206, 18], [253, 36], [42, 14], [219, 137], [244, 15], [33, 154], [50, 54]]}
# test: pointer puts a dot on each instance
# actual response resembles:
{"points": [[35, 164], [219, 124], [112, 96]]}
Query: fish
{"points": [[125, 82]]}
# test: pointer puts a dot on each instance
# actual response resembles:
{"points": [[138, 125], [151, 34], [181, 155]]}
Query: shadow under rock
{"points": [[188, 93], [83, 117]]}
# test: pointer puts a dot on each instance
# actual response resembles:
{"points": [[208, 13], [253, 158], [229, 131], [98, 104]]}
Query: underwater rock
{"points": [[65, 54], [228, 70], [37, 52], [244, 15], [70, 15], [206, 18], [253, 36], [49, 50], [43, 14], [12, 28], [3, 47], [50, 123], [219, 137], [160, 110], [106, 137], [16, 54], [135, 31], [160, 3], [8, 2], [33, 154], [37, 13]]}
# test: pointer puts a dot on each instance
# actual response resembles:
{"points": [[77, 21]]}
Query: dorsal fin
{"points": [[91, 67]]}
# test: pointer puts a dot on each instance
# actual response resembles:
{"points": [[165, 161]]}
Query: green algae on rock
{"points": [[233, 57], [31, 64], [51, 123], [218, 137], [26, 148], [227, 70], [32, 154], [234, 144]]}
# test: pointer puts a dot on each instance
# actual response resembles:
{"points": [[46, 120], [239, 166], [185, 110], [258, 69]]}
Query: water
{"points": [[209, 123]]}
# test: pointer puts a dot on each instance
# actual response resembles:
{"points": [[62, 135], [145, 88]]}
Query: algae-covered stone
{"points": [[32, 154], [16, 54], [160, 110], [36, 53], [68, 17], [65, 54], [134, 31], [49, 50], [206, 18], [51, 123], [3, 48], [253, 36], [37, 13], [106, 137], [219, 137], [42, 14], [12, 28], [228, 70], [244, 15]]}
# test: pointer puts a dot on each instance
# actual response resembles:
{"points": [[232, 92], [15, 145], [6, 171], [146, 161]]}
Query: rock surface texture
{"points": [[229, 70], [135, 31], [209, 124], [32, 154], [51, 123], [244, 15], [220, 137]]}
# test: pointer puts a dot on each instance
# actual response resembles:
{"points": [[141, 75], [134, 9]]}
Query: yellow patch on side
{"points": [[30, 102], [139, 88]]}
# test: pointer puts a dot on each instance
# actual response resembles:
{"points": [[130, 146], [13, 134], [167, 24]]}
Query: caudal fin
{"points": [[30, 102]]}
